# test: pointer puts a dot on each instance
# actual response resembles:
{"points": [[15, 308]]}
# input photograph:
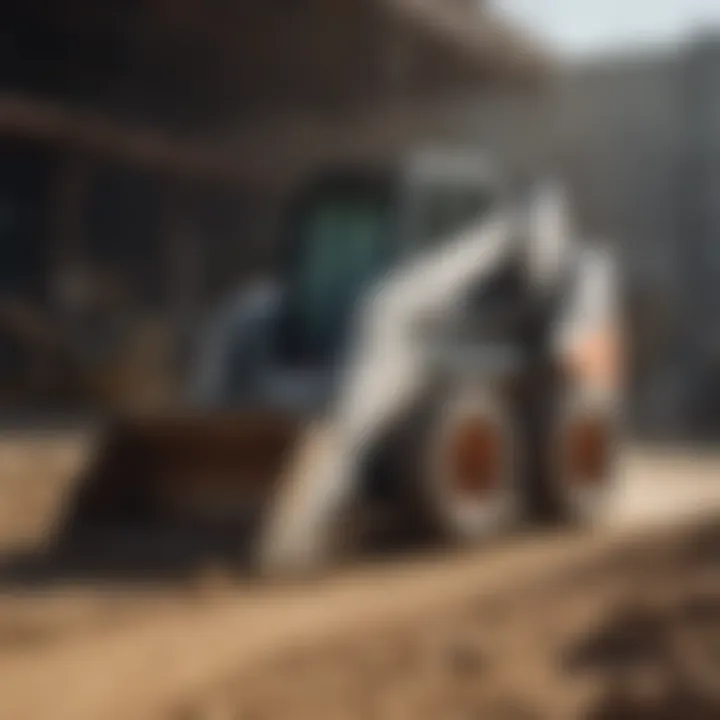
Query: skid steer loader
{"points": [[439, 344]]}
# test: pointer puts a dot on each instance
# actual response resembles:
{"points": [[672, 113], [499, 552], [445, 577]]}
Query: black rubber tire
{"points": [[559, 502], [429, 516]]}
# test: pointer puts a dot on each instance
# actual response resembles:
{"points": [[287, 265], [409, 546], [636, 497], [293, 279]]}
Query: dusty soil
{"points": [[634, 635], [37, 472], [622, 623]]}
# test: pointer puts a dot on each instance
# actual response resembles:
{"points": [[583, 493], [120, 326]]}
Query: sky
{"points": [[589, 26]]}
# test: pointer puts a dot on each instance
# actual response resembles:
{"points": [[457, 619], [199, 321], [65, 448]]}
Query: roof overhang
{"points": [[335, 56], [241, 89], [485, 41]]}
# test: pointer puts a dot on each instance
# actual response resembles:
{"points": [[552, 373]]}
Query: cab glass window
{"points": [[442, 211]]}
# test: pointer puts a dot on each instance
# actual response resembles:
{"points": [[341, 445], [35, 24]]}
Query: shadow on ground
{"points": [[128, 555], [657, 655], [166, 553]]}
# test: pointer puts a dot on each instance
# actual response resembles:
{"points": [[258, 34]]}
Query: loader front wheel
{"points": [[467, 468]]}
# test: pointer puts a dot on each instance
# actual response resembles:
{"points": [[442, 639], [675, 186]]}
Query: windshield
{"points": [[441, 210], [343, 245]]}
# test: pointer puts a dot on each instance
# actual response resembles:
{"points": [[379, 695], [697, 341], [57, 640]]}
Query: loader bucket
{"points": [[214, 470]]}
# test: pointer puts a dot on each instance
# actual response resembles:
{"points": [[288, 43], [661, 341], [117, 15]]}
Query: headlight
{"points": [[595, 360]]}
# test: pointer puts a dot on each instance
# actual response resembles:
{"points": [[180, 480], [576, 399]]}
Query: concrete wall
{"points": [[645, 129], [623, 116], [638, 136]]}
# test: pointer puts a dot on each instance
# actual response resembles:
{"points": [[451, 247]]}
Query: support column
{"points": [[183, 270], [67, 265]]}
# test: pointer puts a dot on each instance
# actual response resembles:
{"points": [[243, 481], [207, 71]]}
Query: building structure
{"points": [[146, 147]]}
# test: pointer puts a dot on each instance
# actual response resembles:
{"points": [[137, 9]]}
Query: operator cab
{"points": [[340, 236], [351, 227]]}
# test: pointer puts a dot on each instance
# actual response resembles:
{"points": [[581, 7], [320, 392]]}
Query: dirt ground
{"points": [[634, 635], [620, 623]]}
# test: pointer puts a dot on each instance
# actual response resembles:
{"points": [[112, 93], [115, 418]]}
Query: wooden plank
{"points": [[266, 148], [58, 124]]}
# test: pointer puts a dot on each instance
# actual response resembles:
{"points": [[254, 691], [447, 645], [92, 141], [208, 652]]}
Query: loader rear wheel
{"points": [[583, 460]]}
